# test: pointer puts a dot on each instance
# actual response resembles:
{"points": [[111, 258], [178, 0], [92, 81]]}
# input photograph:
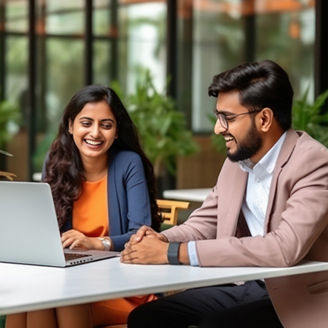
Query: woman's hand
{"points": [[75, 239]]}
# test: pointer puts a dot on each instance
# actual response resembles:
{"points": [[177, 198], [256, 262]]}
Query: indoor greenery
{"points": [[217, 140], [307, 116], [9, 118], [311, 118], [162, 128]]}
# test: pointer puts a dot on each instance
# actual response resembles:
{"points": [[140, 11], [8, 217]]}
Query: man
{"points": [[268, 208]]}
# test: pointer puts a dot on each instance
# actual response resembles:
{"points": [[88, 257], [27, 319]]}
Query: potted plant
{"points": [[161, 126]]}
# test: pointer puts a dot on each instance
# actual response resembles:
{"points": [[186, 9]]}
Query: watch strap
{"points": [[106, 243], [173, 253]]}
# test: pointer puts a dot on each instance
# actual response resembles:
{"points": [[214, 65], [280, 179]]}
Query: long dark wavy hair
{"points": [[64, 169]]}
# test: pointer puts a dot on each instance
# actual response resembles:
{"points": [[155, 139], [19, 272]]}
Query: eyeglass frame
{"points": [[225, 119]]}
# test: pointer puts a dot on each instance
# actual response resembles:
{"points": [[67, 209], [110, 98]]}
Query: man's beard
{"points": [[248, 147]]}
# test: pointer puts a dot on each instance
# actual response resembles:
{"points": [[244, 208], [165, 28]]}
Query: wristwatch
{"points": [[173, 253], [106, 243]]}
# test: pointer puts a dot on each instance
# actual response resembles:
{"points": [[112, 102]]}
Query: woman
{"points": [[103, 188]]}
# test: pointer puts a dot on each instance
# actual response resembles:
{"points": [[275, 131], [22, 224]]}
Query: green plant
{"points": [[309, 117], [161, 126], [9, 119], [217, 140], [42, 149]]}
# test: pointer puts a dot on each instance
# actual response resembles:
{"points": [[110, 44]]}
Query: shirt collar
{"points": [[267, 163]]}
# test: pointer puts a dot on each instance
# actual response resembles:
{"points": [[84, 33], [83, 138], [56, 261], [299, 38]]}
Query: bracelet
{"points": [[106, 243], [173, 253]]}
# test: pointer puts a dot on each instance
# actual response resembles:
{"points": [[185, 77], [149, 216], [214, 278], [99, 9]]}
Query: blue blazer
{"points": [[127, 197]]}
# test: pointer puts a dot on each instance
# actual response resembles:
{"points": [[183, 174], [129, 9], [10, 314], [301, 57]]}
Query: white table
{"points": [[192, 195], [28, 287]]}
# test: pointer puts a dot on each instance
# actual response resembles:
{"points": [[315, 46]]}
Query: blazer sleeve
{"points": [[298, 219], [129, 202], [296, 223], [201, 224]]}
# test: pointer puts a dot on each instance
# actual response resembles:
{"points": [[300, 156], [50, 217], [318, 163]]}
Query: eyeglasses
{"points": [[224, 119]]}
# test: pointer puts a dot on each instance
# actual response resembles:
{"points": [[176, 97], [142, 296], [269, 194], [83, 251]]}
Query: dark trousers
{"points": [[223, 306]]}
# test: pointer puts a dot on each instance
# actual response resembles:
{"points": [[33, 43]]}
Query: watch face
{"points": [[106, 243]]}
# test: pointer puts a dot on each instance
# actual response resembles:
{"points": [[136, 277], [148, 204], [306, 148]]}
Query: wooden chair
{"points": [[169, 210]]}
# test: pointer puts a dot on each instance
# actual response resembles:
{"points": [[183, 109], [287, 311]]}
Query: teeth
{"points": [[228, 139], [94, 143]]}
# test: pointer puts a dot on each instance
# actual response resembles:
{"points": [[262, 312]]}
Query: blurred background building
{"points": [[49, 49]]}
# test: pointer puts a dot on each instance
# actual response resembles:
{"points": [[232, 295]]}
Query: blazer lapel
{"points": [[285, 153], [231, 199]]}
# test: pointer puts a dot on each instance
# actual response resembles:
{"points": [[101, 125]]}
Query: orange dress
{"points": [[90, 216]]}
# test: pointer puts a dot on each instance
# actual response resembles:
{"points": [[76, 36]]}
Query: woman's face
{"points": [[94, 130]]}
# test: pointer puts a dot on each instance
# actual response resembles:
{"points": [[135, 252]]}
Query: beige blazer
{"points": [[296, 228]]}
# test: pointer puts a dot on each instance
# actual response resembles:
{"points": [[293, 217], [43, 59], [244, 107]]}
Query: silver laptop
{"points": [[29, 232]]}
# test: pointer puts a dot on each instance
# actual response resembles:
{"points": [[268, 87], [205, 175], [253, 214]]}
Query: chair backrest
{"points": [[169, 209]]}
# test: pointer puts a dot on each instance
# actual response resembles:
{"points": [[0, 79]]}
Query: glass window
{"points": [[102, 62], [65, 17], [213, 35], [226, 33], [16, 82], [64, 73], [61, 50], [142, 42], [101, 17], [218, 40], [64, 77], [286, 34], [105, 41], [16, 68], [16, 16]]}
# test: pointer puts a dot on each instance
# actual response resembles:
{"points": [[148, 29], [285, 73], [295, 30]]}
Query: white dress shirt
{"points": [[258, 187]]}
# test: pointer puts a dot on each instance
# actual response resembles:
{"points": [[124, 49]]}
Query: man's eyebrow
{"points": [[225, 112]]}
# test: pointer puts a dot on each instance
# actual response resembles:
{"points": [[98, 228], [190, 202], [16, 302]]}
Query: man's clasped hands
{"points": [[147, 246]]}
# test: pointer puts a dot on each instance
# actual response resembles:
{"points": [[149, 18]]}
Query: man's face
{"points": [[243, 140]]}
